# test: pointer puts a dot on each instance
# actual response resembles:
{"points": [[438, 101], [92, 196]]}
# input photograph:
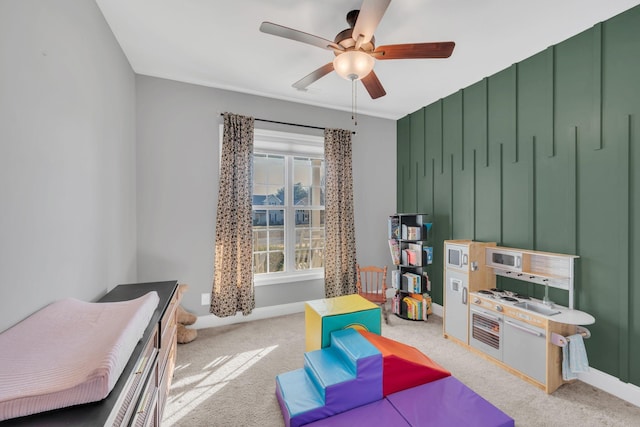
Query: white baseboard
{"points": [[612, 385], [437, 309], [209, 321]]}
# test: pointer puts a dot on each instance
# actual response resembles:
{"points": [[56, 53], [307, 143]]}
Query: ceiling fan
{"points": [[355, 50]]}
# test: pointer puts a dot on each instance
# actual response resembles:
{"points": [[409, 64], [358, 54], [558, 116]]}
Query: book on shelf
{"points": [[395, 304], [408, 302], [414, 254], [418, 306], [414, 307], [394, 249], [428, 302], [428, 254], [410, 232], [426, 281], [394, 227], [427, 230], [396, 280], [410, 257], [411, 282]]}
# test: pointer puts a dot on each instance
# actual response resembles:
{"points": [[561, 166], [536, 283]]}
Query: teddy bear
{"points": [[184, 318]]}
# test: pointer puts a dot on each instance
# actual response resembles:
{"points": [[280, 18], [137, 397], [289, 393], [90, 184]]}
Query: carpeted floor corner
{"points": [[226, 377]]}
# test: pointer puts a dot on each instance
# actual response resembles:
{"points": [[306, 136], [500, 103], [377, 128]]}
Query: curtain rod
{"points": [[290, 124]]}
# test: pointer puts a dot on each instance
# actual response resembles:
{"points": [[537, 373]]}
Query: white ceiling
{"points": [[218, 43]]}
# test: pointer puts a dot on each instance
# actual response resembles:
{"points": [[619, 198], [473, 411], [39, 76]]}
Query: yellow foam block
{"points": [[326, 315]]}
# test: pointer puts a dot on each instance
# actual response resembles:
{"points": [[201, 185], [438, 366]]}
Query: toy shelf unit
{"points": [[543, 268], [412, 254]]}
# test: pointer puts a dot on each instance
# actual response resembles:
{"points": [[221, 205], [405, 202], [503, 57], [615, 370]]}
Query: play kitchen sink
{"points": [[519, 301], [538, 308]]}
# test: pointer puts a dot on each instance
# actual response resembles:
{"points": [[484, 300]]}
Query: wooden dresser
{"points": [[139, 396]]}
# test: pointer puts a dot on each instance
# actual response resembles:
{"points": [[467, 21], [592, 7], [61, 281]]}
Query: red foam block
{"points": [[403, 366]]}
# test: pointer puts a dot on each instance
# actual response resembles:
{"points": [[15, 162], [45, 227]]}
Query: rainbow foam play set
{"points": [[353, 376]]}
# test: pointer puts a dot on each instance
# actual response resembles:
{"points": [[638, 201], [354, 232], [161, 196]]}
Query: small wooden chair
{"points": [[372, 285]]}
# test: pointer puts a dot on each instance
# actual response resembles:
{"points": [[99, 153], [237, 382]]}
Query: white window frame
{"points": [[295, 145]]}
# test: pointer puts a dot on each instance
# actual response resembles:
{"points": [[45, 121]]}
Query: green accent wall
{"points": [[542, 155]]}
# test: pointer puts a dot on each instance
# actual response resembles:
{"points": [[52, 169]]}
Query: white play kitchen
{"points": [[525, 336]]}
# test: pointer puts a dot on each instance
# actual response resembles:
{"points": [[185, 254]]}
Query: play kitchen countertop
{"points": [[515, 305]]}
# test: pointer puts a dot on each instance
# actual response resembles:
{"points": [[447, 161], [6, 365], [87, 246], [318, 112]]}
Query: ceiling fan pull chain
{"points": [[354, 101]]}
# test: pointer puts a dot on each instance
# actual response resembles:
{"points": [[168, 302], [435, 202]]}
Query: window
{"points": [[288, 207]]}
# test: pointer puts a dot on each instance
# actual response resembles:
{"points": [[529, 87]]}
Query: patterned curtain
{"points": [[340, 241], [233, 275]]}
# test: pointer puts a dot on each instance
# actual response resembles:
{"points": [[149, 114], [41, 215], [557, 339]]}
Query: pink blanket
{"points": [[69, 352]]}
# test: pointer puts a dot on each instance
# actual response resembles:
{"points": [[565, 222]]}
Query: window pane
{"points": [[259, 239], [275, 168], [321, 165], [302, 238], [276, 217], [302, 171], [302, 217], [316, 196], [317, 238], [268, 180], [260, 194], [317, 218], [276, 261], [276, 239], [300, 195], [260, 263], [276, 196], [302, 260], [317, 258], [259, 218], [260, 172]]}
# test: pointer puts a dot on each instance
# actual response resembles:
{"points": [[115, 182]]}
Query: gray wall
{"points": [[67, 156], [177, 177]]}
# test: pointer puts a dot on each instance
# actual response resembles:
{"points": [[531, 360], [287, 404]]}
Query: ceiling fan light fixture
{"points": [[353, 64]]}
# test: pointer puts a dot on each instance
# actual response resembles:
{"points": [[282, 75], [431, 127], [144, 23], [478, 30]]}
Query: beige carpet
{"points": [[226, 377]]}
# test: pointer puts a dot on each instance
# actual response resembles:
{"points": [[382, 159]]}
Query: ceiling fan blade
{"points": [[373, 85], [415, 50], [371, 13], [315, 75], [290, 33]]}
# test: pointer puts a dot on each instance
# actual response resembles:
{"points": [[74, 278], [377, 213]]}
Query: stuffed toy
{"points": [[185, 335], [184, 317]]}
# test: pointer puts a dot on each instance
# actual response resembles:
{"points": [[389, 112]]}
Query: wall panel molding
{"points": [[542, 153], [486, 109], [551, 75], [573, 186], [624, 226], [596, 118]]}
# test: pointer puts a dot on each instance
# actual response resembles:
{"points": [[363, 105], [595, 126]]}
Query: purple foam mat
{"points": [[379, 413], [447, 403]]}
